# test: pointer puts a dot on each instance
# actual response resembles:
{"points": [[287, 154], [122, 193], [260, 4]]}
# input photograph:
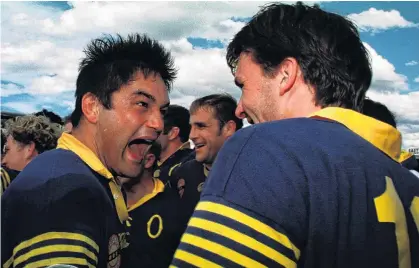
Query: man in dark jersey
{"points": [[380, 112], [26, 137], [212, 123], [313, 183], [66, 207], [174, 142], [157, 219]]}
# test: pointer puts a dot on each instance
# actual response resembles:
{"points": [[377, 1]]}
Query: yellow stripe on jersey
{"points": [[69, 261], [414, 209], [194, 260], [35, 251], [220, 250], [5, 180], [250, 222], [52, 249], [243, 239]]}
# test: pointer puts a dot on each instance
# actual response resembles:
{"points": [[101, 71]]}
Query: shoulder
{"points": [[54, 173]]}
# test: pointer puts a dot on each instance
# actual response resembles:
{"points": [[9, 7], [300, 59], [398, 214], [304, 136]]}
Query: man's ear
{"points": [[90, 106], [30, 150], [229, 128], [173, 133], [286, 74], [149, 160]]}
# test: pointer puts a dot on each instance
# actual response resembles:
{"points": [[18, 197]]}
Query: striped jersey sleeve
{"points": [[57, 224], [220, 234], [7, 175]]}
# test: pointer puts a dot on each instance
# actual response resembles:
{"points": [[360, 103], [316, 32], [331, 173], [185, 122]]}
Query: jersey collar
{"points": [[69, 142], [186, 145], [381, 135], [158, 188]]}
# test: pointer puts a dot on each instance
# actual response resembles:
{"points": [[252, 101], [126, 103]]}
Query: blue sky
{"points": [[42, 43]]}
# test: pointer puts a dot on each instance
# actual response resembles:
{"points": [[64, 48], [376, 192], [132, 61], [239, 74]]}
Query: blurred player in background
{"points": [[157, 218], [212, 123], [174, 141], [26, 137]]}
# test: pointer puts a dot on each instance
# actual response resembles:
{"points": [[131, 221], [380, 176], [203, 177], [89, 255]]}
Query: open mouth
{"points": [[199, 145], [138, 147]]}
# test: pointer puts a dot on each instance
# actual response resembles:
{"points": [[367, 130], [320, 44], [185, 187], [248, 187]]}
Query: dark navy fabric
{"points": [[315, 182], [58, 192]]}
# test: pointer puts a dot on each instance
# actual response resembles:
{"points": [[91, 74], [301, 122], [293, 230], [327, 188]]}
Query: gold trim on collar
{"points": [[71, 143], [381, 135], [158, 188], [206, 170]]}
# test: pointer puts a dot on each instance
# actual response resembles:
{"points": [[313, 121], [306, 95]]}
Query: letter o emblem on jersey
{"points": [[114, 258], [159, 220]]}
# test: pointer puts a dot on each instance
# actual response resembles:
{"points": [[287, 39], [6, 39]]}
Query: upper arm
{"points": [[58, 224], [252, 211]]}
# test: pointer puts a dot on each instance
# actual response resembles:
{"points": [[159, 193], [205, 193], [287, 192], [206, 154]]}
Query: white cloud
{"points": [[378, 20], [385, 77], [24, 107], [41, 48], [411, 63], [417, 79], [10, 89]]}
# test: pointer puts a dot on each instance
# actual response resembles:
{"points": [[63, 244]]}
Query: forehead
{"points": [[153, 84], [10, 142], [247, 67], [203, 114]]}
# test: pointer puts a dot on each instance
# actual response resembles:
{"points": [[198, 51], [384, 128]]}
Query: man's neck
{"points": [[172, 148], [87, 137], [144, 186]]}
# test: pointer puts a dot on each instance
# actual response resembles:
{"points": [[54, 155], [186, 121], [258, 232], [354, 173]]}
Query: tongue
{"points": [[137, 150]]}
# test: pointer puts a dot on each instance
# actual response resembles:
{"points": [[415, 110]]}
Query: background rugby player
{"points": [[70, 197], [380, 112], [26, 137], [157, 219], [174, 141], [212, 122], [313, 188]]}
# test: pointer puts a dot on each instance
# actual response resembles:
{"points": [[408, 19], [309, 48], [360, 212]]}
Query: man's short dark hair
{"points": [[111, 62], [177, 116], [326, 46], [379, 111], [223, 105], [53, 117]]}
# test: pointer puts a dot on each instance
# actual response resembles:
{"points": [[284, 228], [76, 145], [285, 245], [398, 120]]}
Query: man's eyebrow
{"points": [[145, 94]]}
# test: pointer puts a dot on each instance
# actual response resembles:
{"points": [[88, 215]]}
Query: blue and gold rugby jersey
{"points": [[63, 208], [408, 160], [306, 192], [188, 181], [165, 168], [157, 224], [7, 176]]}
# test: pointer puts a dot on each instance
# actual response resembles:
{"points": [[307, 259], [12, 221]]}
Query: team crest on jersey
{"points": [[200, 187], [181, 186], [114, 258]]}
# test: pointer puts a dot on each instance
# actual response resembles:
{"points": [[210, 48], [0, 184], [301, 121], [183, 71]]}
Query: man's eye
{"points": [[144, 104]]}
